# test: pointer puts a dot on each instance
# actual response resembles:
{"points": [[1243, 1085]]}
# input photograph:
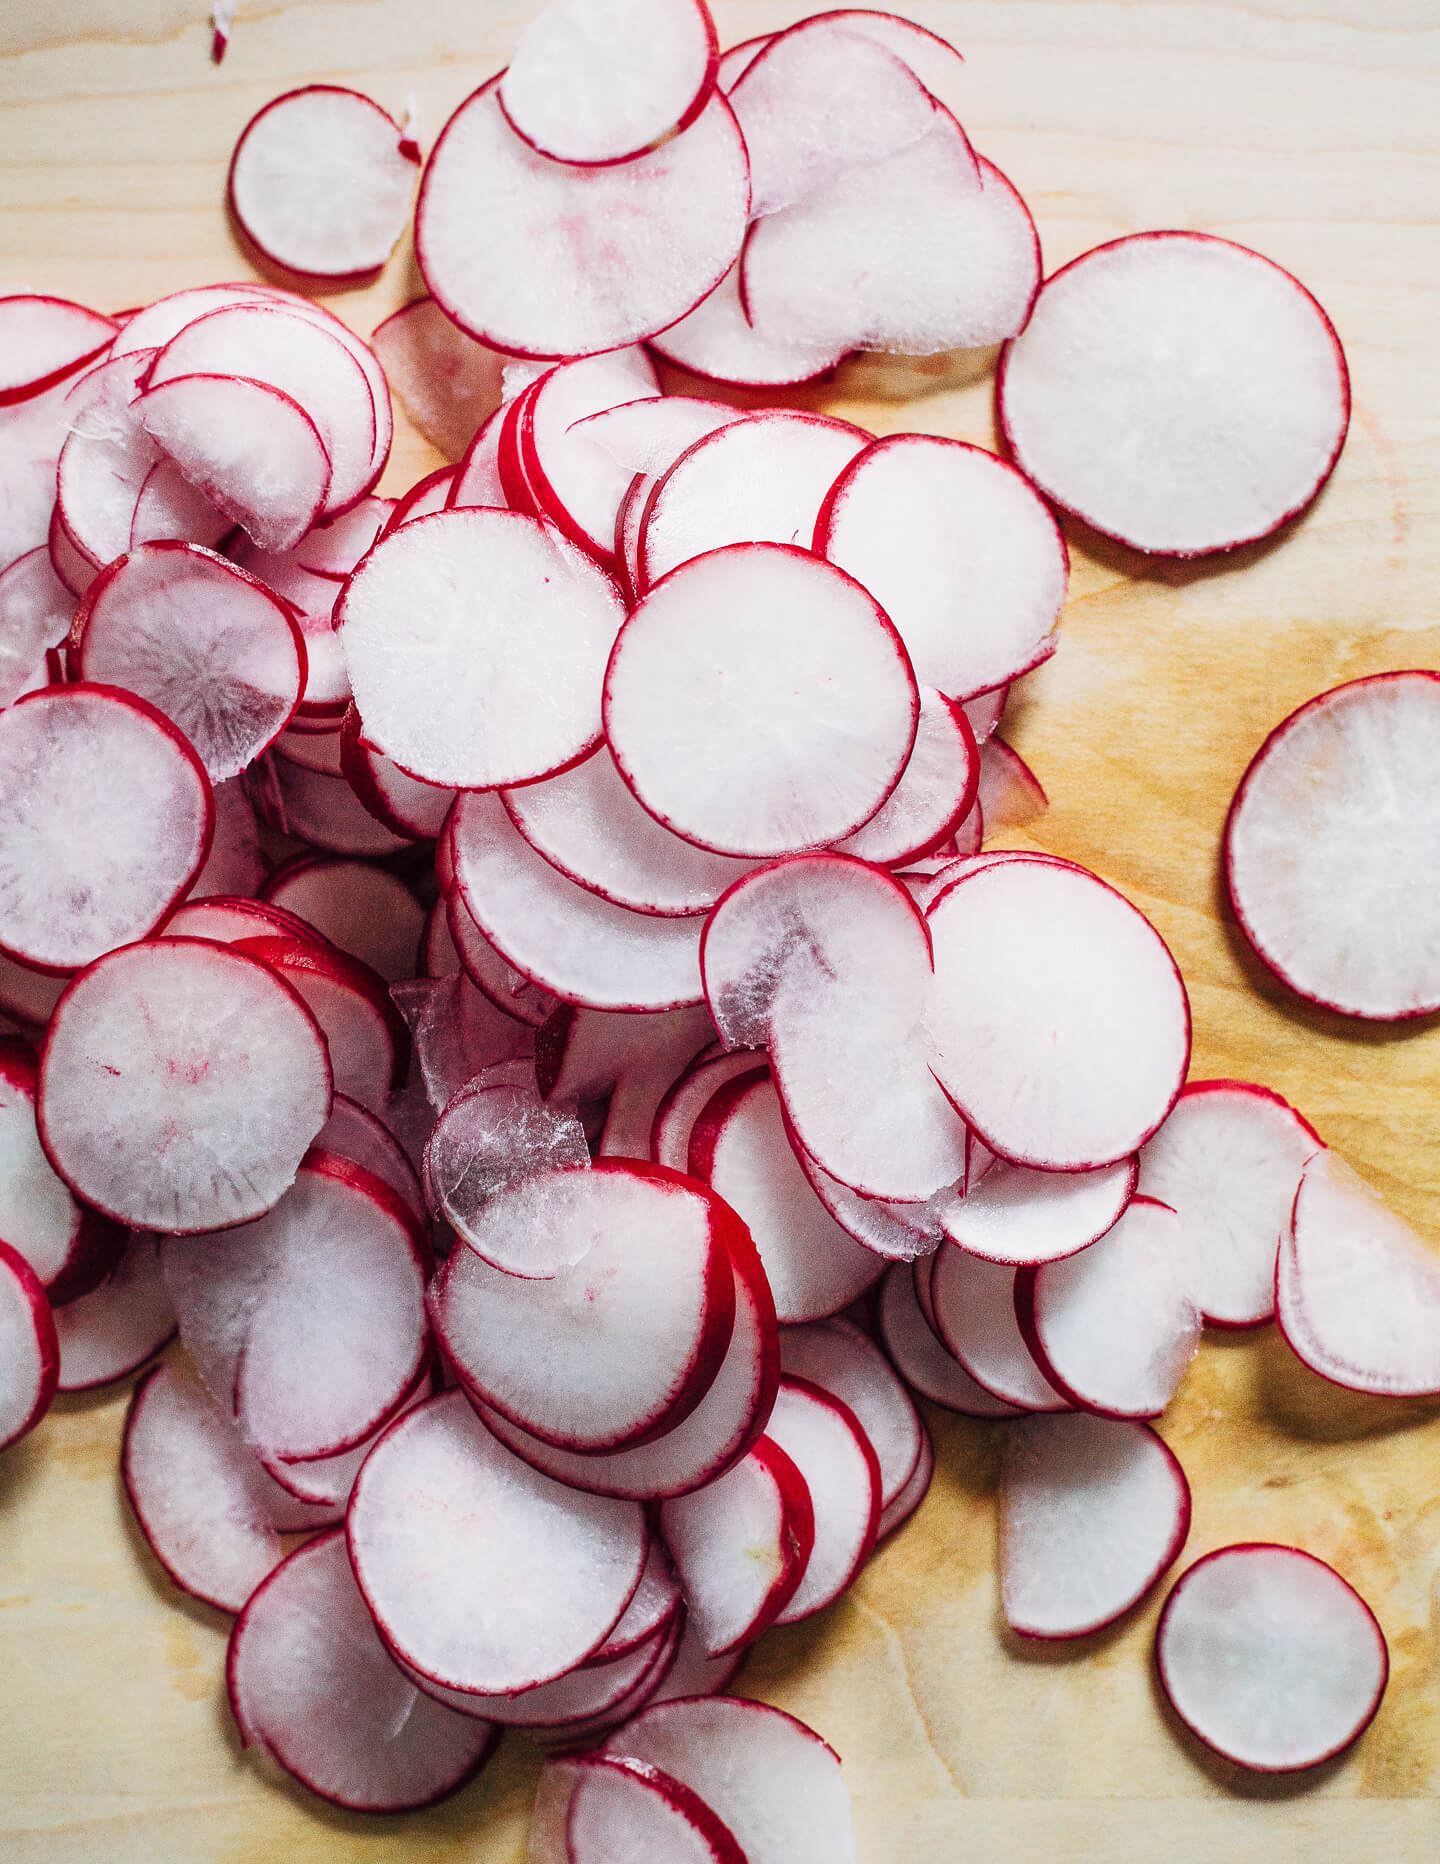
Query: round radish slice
{"points": [[629, 1809], [547, 259], [925, 1365], [354, 1133], [841, 1360], [169, 507], [110, 1332], [824, 1440], [1268, 1656], [1034, 957], [180, 1085], [313, 806], [1328, 843], [971, 1305], [35, 613], [365, 910], [934, 795], [234, 865], [1092, 1512], [493, 976], [396, 800], [45, 339], [759, 701], [1011, 795], [29, 1350], [320, 184], [686, 1100], [593, 1689], [717, 340], [1177, 392], [656, 1604], [578, 483], [482, 1573], [1228, 1162], [227, 920], [449, 384], [492, 1133], [105, 821], [647, 436], [1022, 1217], [364, 1033]]}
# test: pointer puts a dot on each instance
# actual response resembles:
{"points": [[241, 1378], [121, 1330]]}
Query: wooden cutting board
{"points": [[1306, 128]]}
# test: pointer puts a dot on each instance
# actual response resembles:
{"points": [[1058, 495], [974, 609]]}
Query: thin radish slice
{"points": [[45, 339], [495, 1131], [656, 1603], [354, 1133], [227, 920], [35, 613], [1092, 1512], [1022, 1217], [493, 976], [107, 819], [936, 63], [686, 1100], [74, 569], [180, 1085], [896, 1513], [629, 1809], [1114, 1328], [325, 1482], [965, 558], [716, 340], [841, 1360], [318, 808], [365, 910], [432, 493], [32, 436], [1357, 1294], [693, 1673], [971, 1305], [337, 543], [364, 1033], [899, 1232], [578, 483], [1334, 816], [106, 458], [234, 866], [584, 1055], [1270, 1658], [1228, 1162], [1211, 405], [1036, 957], [1011, 795], [648, 435], [921, 1360], [457, 1034], [477, 478], [935, 793], [824, 1439], [152, 327], [110, 1332], [397, 800], [569, 1735], [29, 1349], [169, 507], [448, 383], [591, 1690], [985, 712], [734, 63]]}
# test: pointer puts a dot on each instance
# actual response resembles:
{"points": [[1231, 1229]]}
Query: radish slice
{"points": [[717, 340], [1335, 816], [985, 711], [35, 613], [693, 1673], [935, 793], [759, 701], [477, 478], [315, 807], [110, 1332], [586, 1054], [427, 495], [180, 1085], [227, 920], [493, 1133], [1092, 1512], [546, 259], [1357, 1294], [971, 1305], [1023, 1217], [457, 1033], [648, 435], [45, 339], [354, 1133], [337, 543], [29, 1350], [397, 801], [657, 1603], [955, 545], [234, 865], [493, 976], [924, 1364], [107, 456], [365, 910], [320, 183], [686, 1100], [105, 821], [75, 570], [1011, 795], [481, 1573], [824, 1440], [899, 1232], [898, 1512], [739, 59], [1268, 1656], [1210, 406], [629, 1809], [1037, 957], [579, 484], [324, 1483], [841, 1360], [448, 383], [1228, 1162], [1114, 1328], [364, 1034]]}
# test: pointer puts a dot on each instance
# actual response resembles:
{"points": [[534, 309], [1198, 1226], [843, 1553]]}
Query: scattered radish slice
{"points": [[45, 339], [629, 1809], [365, 910], [29, 1350], [716, 340]]}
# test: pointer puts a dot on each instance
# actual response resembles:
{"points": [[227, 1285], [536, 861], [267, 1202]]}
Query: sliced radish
{"points": [[693, 1673], [74, 569], [739, 59], [1268, 1656], [227, 920], [1092, 1512], [497, 1130], [364, 1034], [648, 435], [716, 340], [169, 507], [457, 1033], [823, 1438], [45, 339], [356, 1134], [106, 458], [449, 384], [921, 1360], [1011, 795], [897, 1512], [686, 1100], [397, 800], [935, 793], [493, 976], [841, 1360], [657, 1601], [427, 495], [336, 544], [325, 1482], [586, 1055], [477, 478], [578, 484], [315, 807], [234, 865], [629, 1809], [1211, 404], [110, 1332], [899, 1232], [365, 910], [985, 712], [971, 1305], [1022, 1217], [152, 327], [29, 1350], [35, 613]]}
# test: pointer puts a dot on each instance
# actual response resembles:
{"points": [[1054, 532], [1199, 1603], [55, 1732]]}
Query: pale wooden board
{"points": [[1307, 128]]}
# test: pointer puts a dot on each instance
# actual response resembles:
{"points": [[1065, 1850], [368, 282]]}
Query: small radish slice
{"points": [[314, 806], [427, 495], [320, 183], [477, 478], [759, 701], [493, 976], [180, 1085], [656, 1603], [480, 1572], [1332, 818], [841, 1360], [629, 1809], [234, 865], [1357, 1294], [899, 1232], [578, 484], [1011, 795], [648, 435], [448, 383], [35, 613], [457, 1033], [898, 1512], [107, 819], [593, 1689], [110, 1332], [1211, 405], [1228, 1162], [546, 259], [935, 793], [365, 910], [397, 800], [584, 1055], [364, 1033], [687, 1099], [74, 570], [734, 63], [823, 1438], [1270, 1658], [497, 1130], [354, 1133], [337, 543], [170, 508], [106, 458], [45, 339], [1092, 1512], [923, 1363], [716, 340], [692, 1673], [971, 1305], [29, 1349], [1022, 1217], [1114, 1328]]}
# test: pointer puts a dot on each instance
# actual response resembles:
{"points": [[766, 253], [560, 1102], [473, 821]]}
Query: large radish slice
{"points": [[29, 1350], [935, 793], [1228, 1162], [547, 259], [630, 1809], [1270, 1657], [482, 1573], [43, 340], [971, 1305], [180, 1085], [716, 340], [35, 614], [364, 1033], [1022, 1217], [110, 1332], [1210, 405], [105, 821], [1357, 1294], [823, 1438], [449, 384], [578, 483], [365, 910], [841, 1360], [1092, 1512], [1326, 848]]}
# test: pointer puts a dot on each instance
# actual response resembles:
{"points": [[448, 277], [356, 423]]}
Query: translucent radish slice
{"points": [[110, 1332], [899, 1232], [823, 1438], [1092, 1512], [457, 1033], [234, 866], [397, 800], [1268, 1656], [75, 570], [180, 1084], [477, 477], [363, 1032], [367, 911], [493, 976], [955, 545], [934, 795], [841, 1360], [716, 340], [448, 383], [985, 712], [1018, 1216], [319, 182], [921, 1360], [106, 458], [936, 63], [686, 1100], [35, 613], [29, 1350], [1337, 813], [632, 1810], [1228, 1162], [1039, 957], [972, 1305], [578, 483], [546, 259], [1011, 795], [496, 1131], [45, 339], [105, 821], [169, 507], [1213, 399], [1114, 1328], [317, 808]]}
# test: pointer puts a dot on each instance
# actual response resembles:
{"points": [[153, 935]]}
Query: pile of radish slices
{"points": [[512, 975]]}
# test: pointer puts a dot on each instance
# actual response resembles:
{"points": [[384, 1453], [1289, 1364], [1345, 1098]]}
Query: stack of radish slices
{"points": [[512, 974]]}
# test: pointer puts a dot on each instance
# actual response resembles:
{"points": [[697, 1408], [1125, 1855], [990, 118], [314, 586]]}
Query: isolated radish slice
{"points": [[547, 259], [493, 976], [43, 340], [1228, 1162], [824, 1440], [364, 1033], [841, 1360], [1357, 1294], [111, 1331], [180, 1085], [35, 613], [497, 1130], [448, 383], [629, 1809], [935, 793], [924, 1364], [1335, 815], [716, 340], [1211, 404], [686, 1099], [1269, 1657], [971, 1305], [1022, 1217], [365, 910], [29, 1350]]}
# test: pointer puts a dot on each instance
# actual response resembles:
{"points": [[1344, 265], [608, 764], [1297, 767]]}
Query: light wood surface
{"points": [[1306, 128]]}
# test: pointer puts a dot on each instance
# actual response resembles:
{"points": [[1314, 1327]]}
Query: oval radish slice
{"points": [[1228, 1161], [482, 1573], [546, 259], [45, 339], [449, 384], [632, 1810], [1270, 1657], [180, 1085], [1211, 405], [110, 1332], [35, 613], [1036, 957], [1092, 1512], [823, 1438], [934, 795], [364, 1033], [493, 976], [29, 1350], [717, 341], [1336, 815], [686, 1100], [841, 1360], [1022, 1217], [367, 911], [924, 1364], [972, 1309], [759, 701]]}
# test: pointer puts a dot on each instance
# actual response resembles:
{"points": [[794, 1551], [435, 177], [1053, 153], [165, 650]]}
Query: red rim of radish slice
{"points": [[123, 1322], [616, 1802], [89, 334], [29, 1334]]}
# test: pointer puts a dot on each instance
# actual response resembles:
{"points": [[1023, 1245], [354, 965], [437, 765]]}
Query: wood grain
{"points": [[1306, 128]]}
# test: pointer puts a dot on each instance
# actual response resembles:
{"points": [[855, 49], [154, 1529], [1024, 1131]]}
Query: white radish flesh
{"points": [[43, 340], [35, 613], [935, 793], [364, 1033], [111, 1331], [716, 340], [493, 976], [686, 1100], [971, 1305], [29, 1350], [841, 1360], [632, 1810], [578, 483], [823, 1439], [354, 1133], [492, 1133], [106, 458], [397, 800], [448, 383], [924, 1364], [1022, 1217]]}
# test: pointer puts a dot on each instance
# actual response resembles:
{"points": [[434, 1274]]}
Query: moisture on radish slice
{"points": [[1270, 1658], [121, 1323], [29, 1350], [495, 1131]]}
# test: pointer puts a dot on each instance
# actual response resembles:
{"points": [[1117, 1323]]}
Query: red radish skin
{"points": [[31, 1355], [44, 340], [925, 1365]]}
